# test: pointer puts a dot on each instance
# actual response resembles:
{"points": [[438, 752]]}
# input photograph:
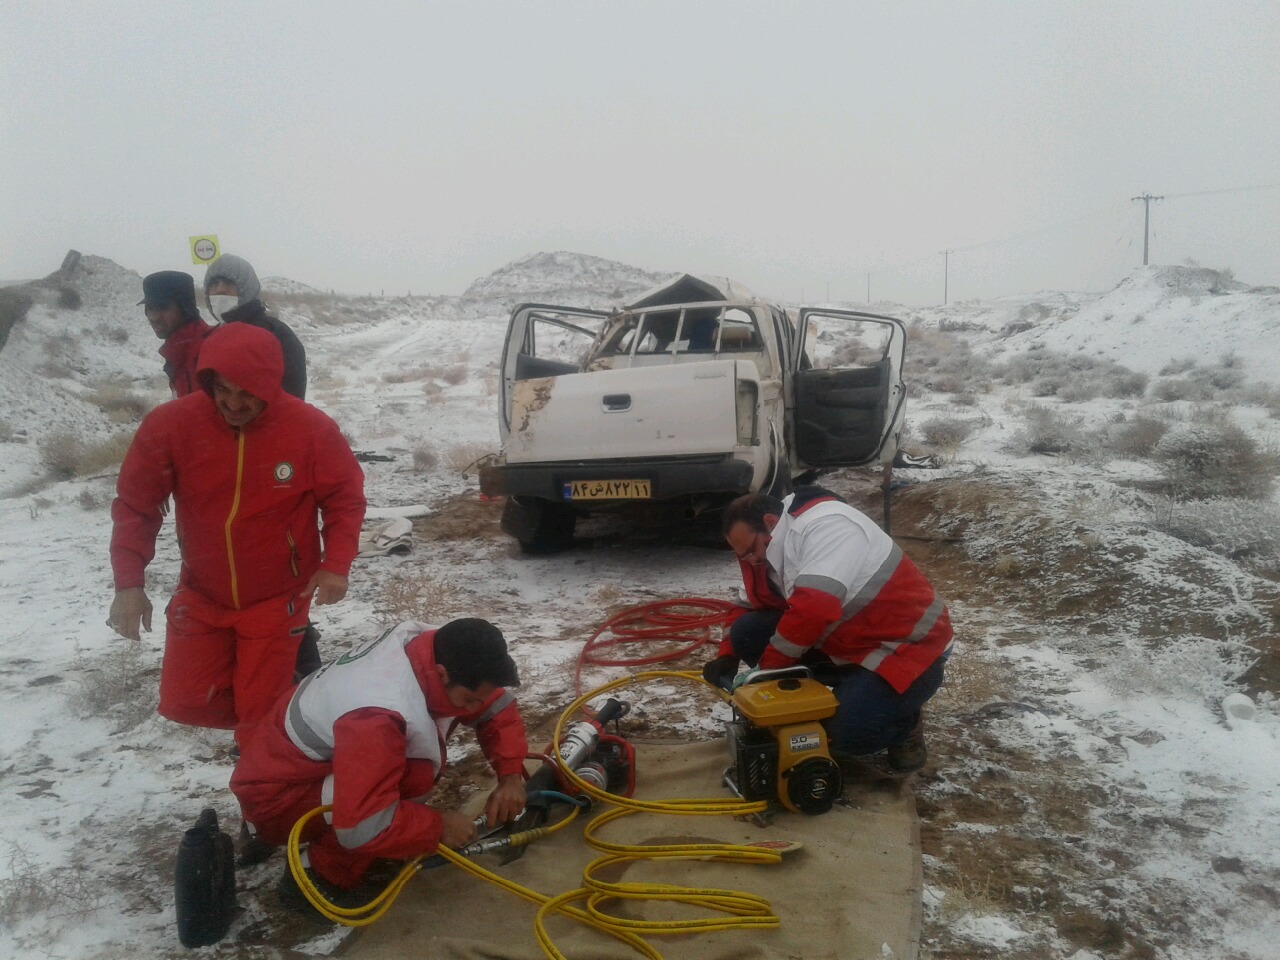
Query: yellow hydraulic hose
{"points": [[732, 910]]}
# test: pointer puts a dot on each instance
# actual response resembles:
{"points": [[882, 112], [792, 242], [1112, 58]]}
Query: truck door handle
{"points": [[616, 402]]}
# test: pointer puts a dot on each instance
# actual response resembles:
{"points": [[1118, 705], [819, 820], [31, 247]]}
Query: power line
{"points": [[1205, 193]]}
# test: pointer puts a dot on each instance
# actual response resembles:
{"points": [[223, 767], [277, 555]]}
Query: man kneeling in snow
{"points": [[367, 734]]}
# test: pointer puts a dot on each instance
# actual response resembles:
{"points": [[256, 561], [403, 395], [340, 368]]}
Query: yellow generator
{"points": [[778, 744]]}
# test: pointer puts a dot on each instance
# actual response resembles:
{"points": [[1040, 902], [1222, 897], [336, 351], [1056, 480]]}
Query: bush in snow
{"points": [[424, 458], [465, 458], [1135, 439], [1247, 531], [1205, 668], [1049, 432], [943, 363], [120, 686], [1207, 461], [65, 454], [418, 597], [34, 891], [946, 432], [120, 403], [1226, 377]]}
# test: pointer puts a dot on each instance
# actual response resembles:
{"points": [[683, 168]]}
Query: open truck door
{"points": [[544, 341], [849, 392]]}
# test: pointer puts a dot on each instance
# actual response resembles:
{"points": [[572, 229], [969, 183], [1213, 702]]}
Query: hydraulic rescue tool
{"points": [[604, 760], [778, 743]]}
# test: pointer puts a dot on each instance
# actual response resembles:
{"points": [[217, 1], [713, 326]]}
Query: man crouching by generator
{"points": [[367, 734], [831, 591]]}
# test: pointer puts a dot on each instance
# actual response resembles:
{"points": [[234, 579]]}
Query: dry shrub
{"points": [[92, 500], [113, 334], [1007, 567], [326, 380], [55, 370], [69, 298], [424, 458], [1047, 432], [120, 686], [34, 891], [6, 431], [418, 597], [411, 375], [120, 403], [466, 458], [454, 375], [1136, 438], [66, 455], [946, 432], [1247, 531], [1175, 367], [1170, 389], [431, 390], [1205, 462]]}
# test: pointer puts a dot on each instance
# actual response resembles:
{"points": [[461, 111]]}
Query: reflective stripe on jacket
{"points": [[358, 729], [852, 593]]}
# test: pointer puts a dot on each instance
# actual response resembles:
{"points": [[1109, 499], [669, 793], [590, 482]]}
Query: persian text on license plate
{"points": [[608, 490]]}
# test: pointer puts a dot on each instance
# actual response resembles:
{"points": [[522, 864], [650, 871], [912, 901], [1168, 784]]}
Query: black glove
{"points": [[721, 671]]}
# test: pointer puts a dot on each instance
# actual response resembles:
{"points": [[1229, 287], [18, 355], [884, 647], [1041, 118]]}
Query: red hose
{"points": [[687, 621]]}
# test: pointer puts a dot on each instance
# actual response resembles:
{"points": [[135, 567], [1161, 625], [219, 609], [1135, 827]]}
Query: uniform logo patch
{"points": [[284, 471]]}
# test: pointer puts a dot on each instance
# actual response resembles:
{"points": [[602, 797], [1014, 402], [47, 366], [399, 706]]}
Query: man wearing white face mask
{"points": [[232, 291]]}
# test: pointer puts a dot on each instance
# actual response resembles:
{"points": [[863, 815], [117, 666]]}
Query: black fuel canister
{"points": [[204, 882]]}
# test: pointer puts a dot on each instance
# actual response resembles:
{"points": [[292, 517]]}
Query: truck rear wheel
{"points": [[539, 526]]}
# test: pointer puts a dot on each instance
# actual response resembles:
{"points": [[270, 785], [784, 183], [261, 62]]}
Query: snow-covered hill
{"points": [[1088, 797], [570, 279]]}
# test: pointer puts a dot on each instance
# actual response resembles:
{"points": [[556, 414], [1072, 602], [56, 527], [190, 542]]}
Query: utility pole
{"points": [[1146, 199], [946, 274], [868, 287]]}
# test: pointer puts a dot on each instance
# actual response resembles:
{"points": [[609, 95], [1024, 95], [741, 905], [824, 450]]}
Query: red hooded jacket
{"points": [[246, 500]]}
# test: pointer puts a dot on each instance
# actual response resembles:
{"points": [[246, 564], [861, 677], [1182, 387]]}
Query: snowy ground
{"points": [[1087, 797]]}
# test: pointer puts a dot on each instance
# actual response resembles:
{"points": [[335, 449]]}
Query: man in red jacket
{"points": [[367, 734], [169, 297], [830, 590], [251, 471]]}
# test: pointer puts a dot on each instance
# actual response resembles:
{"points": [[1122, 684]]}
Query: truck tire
{"points": [[539, 526]]}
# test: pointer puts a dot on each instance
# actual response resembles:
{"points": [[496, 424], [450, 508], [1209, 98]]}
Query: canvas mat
{"points": [[852, 893]]}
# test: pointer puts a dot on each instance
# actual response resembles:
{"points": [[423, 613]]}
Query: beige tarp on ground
{"points": [[851, 893]]}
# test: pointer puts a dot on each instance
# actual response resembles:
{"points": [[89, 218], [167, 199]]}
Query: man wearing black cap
{"points": [[170, 300]]}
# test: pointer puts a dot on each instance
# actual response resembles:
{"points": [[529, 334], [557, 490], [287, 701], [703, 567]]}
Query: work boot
{"points": [[308, 659], [910, 753], [292, 897], [251, 850]]}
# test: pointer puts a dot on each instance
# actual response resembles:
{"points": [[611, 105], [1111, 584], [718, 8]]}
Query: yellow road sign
{"points": [[204, 249]]}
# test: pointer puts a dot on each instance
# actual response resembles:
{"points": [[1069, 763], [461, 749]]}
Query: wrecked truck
{"points": [[692, 395]]}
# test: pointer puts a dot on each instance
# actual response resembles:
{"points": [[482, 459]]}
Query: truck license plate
{"points": [[607, 490]]}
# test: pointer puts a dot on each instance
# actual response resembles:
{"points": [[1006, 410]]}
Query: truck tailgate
{"points": [[652, 411]]}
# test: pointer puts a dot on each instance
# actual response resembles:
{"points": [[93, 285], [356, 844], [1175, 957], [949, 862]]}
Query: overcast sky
{"points": [[794, 147]]}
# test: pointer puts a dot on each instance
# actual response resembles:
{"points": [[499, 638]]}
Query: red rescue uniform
{"points": [[247, 505], [367, 735]]}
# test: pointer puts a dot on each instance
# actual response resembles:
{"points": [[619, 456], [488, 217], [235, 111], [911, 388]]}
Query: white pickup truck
{"points": [[691, 395]]}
